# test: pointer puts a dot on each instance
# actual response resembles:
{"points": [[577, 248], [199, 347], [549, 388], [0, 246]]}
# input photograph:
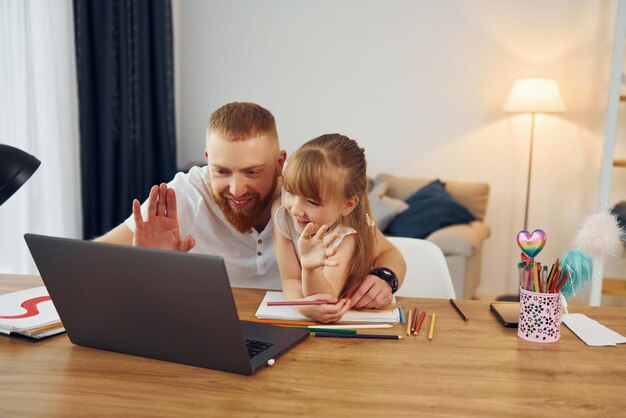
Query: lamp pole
{"points": [[530, 165]]}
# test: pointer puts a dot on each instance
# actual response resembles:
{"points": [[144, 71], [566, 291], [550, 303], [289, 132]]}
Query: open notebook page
{"points": [[388, 316]]}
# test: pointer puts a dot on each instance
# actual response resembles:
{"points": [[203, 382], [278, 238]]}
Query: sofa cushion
{"points": [[430, 208], [474, 196], [459, 239], [385, 208]]}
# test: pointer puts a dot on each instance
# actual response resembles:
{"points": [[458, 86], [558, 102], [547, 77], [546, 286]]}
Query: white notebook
{"points": [[387, 316], [26, 309]]}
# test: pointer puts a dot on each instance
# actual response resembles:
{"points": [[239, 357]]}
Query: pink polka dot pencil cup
{"points": [[539, 316]]}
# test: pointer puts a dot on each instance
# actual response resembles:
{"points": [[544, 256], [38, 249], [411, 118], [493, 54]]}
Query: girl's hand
{"points": [[315, 250], [331, 312]]}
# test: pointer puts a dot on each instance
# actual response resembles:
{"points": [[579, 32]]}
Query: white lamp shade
{"points": [[535, 95]]}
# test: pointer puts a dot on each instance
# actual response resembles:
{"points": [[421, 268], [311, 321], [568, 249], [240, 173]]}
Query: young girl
{"points": [[323, 237]]}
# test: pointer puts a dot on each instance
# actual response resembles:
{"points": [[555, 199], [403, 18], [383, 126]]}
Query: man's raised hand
{"points": [[160, 228]]}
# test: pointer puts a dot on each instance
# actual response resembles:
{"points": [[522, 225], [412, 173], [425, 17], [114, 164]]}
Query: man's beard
{"points": [[245, 219]]}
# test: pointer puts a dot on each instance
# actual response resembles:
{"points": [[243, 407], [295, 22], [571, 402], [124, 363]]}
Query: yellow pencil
{"points": [[536, 279], [408, 322], [432, 327]]}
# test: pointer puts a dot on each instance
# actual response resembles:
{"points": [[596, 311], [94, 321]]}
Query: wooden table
{"points": [[475, 368]]}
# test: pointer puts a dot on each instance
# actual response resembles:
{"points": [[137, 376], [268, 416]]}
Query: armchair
{"points": [[460, 243]]}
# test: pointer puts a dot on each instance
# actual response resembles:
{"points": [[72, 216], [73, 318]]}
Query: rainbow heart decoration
{"points": [[531, 244]]}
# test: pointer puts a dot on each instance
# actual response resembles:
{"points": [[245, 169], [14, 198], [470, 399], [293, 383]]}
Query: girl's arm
{"points": [[287, 261], [386, 255]]}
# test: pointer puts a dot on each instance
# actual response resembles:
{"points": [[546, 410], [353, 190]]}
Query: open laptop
{"points": [[153, 303]]}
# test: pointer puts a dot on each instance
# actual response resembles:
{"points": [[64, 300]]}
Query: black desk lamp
{"points": [[16, 166]]}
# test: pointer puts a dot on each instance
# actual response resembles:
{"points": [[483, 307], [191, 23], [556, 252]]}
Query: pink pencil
{"points": [[297, 302]]}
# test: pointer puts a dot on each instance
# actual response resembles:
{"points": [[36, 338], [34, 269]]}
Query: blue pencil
{"points": [[401, 315]]}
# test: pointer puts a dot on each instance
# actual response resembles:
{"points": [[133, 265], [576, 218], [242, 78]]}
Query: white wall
{"points": [[421, 85]]}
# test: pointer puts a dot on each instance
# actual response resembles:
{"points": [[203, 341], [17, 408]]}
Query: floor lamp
{"points": [[533, 95]]}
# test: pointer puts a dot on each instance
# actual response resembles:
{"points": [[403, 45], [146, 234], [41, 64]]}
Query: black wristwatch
{"points": [[387, 275]]}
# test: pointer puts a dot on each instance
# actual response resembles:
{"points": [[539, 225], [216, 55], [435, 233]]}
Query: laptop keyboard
{"points": [[255, 347]]}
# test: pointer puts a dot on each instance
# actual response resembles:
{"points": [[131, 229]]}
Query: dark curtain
{"points": [[124, 54]]}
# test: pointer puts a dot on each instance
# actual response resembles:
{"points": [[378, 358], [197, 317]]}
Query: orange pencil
{"points": [[42, 328], [551, 275], [419, 323]]}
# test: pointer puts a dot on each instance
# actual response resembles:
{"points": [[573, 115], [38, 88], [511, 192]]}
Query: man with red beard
{"points": [[224, 208]]}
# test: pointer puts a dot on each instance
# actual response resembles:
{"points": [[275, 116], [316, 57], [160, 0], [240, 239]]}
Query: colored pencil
{"points": [[549, 281], [414, 323], [520, 271], [368, 336], [279, 322], [320, 329], [535, 279], [401, 315], [562, 282], [555, 280], [42, 328], [432, 327], [297, 303], [409, 321], [360, 326], [458, 310], [419, 322], [552, 273]]}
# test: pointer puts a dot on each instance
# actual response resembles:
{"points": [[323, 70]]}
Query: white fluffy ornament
{"points": [[599, 236]]}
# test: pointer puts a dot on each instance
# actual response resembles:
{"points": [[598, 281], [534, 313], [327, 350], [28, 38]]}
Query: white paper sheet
{"points": [[590, 331]]}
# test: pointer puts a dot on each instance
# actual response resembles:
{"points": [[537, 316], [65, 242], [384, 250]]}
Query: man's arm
{"points": [[374, 292], [121, 235], [390, 257]]}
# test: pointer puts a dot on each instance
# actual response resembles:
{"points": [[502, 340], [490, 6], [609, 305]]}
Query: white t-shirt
{"points": [[249, 257]]}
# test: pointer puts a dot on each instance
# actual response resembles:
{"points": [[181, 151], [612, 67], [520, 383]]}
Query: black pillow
{"points": [[430, 208]]}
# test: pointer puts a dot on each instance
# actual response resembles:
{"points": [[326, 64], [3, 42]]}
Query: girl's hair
{"points": [[330, 169]]}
